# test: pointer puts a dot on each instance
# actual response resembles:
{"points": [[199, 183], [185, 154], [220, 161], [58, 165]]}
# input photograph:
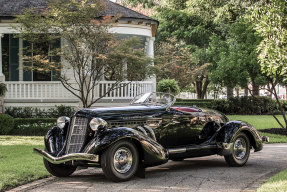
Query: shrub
{"points": [[236, 105], [3, 89], [30, 112], [61, 110], [32, 126], [6, 124], [168, 86]]}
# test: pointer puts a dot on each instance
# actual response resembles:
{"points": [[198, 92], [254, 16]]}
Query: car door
{"points": [[184, 129]]}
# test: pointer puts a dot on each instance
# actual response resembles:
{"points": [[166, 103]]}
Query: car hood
{"points": [[118, 112]]}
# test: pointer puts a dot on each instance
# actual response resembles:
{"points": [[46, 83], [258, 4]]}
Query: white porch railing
{"points": [[24, 90]]}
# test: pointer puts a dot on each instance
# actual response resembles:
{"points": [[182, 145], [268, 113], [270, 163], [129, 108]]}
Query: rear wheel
{"points": [[59, 170], [240, 151], [120, 161]]}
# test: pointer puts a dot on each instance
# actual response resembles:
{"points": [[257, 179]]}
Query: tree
{"points": [[89, 51], [174, 60], [270, 22], [235, 58]]}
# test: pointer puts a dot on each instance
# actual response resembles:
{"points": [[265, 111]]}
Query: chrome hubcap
{"points": [[123, 160], [239, 148]]}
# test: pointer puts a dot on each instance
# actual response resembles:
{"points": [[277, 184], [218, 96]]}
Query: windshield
{"points": [[154, 98]]}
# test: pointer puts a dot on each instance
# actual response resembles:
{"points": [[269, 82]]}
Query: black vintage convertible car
{"points": [[149, 132]]}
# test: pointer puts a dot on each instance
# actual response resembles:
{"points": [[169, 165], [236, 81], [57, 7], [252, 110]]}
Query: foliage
{"points": [[6, 124], [237, 105], [175, 60], [180, 21], [32, 126], [270, 22], [60, 110], [88, 50], [3, 89], [168, 86], [145, 3], [30, 112], [235, 63]]}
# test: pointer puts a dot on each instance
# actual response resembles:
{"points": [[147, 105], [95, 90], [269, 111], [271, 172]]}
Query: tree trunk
{"points": [[201, 87], [255, 89], [229, 92], [237, 92], [273, 87], [198, 89]]}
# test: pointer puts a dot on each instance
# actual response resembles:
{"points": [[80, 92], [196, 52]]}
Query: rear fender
{"points": [[153, 152], [229, 131]]}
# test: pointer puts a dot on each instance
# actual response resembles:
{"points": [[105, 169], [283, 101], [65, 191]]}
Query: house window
{"points": [[10, 57], [141, 45], [11, 61], [39, 49]]}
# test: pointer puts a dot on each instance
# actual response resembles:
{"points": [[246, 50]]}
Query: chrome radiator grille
{"points": [[77, 134]]}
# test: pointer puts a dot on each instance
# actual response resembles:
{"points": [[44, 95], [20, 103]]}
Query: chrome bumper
{"points": [[66, 158]]}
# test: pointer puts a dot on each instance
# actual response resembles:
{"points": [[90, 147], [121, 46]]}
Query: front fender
{"points": [[153, 152], [54, 140], [228, 132]]}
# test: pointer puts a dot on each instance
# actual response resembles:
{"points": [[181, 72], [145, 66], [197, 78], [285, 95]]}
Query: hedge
{"points": [[236, 105], [32, 112], [6, 124], [32, 126]]}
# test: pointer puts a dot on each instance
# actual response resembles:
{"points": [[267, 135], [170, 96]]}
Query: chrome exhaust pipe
{"points": [[66, 158]]}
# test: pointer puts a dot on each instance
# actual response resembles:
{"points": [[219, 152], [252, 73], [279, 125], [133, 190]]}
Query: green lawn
{"points": [[262, 122], [276, 183], [18, 163]]}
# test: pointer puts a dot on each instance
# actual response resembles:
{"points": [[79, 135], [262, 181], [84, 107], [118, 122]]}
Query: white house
{"points": [[33, 89]]}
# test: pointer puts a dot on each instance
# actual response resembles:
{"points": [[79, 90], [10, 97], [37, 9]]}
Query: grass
{"points": [[263, 122], [18, 163], [276, 183]]}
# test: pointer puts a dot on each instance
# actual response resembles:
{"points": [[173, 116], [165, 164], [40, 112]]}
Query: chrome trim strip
{"points": [[178, 150], [66, 158]]}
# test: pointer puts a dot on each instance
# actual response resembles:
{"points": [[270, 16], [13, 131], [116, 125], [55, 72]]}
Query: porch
{"points": [[51, 93]]}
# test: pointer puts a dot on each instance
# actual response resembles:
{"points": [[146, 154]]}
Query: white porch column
{"points": [[150, 53], [2, 77], [150, 46]]}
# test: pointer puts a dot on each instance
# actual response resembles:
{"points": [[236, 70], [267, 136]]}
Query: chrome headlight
{"points": [[61, 121], [95, 123]]}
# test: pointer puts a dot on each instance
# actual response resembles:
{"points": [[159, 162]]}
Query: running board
{"points": [[190, 151]]}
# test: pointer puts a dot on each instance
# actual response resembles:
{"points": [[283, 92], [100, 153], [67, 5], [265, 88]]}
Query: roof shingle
{"points": [[10, 8]]}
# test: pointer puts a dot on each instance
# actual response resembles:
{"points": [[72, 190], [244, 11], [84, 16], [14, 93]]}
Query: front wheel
{"points": [[240, 151], [120, 161], [59, 170]]}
